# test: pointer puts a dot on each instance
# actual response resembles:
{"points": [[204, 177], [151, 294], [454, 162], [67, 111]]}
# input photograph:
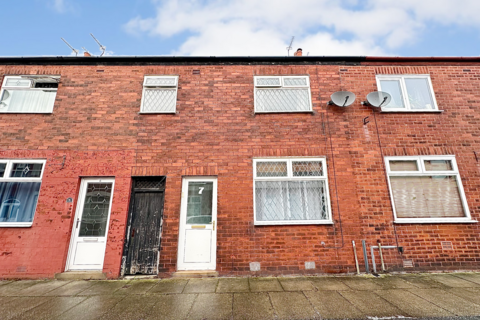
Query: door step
{"points": [[195, 274], [81, 275]]}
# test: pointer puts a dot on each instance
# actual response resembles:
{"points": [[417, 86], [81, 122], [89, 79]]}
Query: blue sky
{"points": [[242, 27]]}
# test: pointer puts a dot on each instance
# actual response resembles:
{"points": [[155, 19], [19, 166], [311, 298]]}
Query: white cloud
{"points": [[252, 27], [61, 6]]}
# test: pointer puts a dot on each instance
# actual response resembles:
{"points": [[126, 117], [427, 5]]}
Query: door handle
{"points": [[78, 220], [133, 232], [213, 225]]}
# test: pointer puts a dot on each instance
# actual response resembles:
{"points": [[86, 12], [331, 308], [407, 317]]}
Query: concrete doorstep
{"points": [[455, 295]]}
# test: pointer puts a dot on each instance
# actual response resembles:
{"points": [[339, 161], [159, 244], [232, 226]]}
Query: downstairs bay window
{"points": [[20, 182], [291, 191], [426, 189]]}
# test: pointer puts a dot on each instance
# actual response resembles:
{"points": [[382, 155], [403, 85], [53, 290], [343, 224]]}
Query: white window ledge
{"points": [[15, 224], [265, 112], [289, 222], [452, 220], [412, 111]]}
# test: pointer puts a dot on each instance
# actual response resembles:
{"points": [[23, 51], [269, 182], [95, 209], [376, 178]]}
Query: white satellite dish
{"points": [[342, 98], [378, 99]]}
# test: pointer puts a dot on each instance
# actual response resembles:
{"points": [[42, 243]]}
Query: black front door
{"points": [[144, 226]]}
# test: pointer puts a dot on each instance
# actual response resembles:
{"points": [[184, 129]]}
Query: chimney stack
{"points": [[87, 54], [298, 53]]}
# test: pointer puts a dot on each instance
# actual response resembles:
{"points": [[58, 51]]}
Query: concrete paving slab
{"points": [[412, 304], [42, 288], [360, 283], [71, 288], [371, 304], [470, 294], [2, 282], [296, 284], [292, 305], [473, 277], [12, 288], [421, 281], [203, 285], [103, 287], [448, 301], [131, 307], [331, 305], [51, 309], [452, 281], [136, 287], [169, 286], [233, 285], [252, 306], [392, 282], [91, 308], [171, 306], [18, 305], [212, 306], [264, 284], [329, 283]]}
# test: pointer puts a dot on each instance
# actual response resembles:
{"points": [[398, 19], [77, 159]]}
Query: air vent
{"points": [[46, 85], [447, 245], [408, 263], [196, 72]]}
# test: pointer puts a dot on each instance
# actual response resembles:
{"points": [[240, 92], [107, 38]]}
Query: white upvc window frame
{"points": [[422, 172], [279, 87], [401, 78], [30, 87], [148, 86], [6, 178], [290, 177]]}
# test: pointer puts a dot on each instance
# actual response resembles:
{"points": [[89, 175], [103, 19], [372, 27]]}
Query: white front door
{"points": [[90, 228], [197, 247]]}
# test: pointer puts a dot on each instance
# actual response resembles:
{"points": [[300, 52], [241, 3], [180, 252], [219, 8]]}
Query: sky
{"points": [[242, 27]]}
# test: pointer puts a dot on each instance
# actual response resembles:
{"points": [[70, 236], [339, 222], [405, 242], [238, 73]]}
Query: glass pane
{"points": [[418, 91], [282, 100], [307, 168], [402, 165], [290, 200], [27, 101], [199, 202], [427, 197], [438, 165], [95, 210], [268, 81], [159, 100], [26, 170], [161, 81], [18, 201], [295, 82], [2, 169], [272, 169], [393, 87], [18, 82]]}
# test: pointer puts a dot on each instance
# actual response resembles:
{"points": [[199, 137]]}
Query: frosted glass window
{"points": [[438, 165], [419, 95], [403, 165], [159, 94], [199, 202], [394, 88]]}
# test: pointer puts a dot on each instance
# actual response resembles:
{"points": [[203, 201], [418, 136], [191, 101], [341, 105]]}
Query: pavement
{"points": [[432, 296]]}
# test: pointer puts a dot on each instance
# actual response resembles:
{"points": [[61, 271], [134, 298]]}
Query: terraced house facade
{"points": [[237, 165]]}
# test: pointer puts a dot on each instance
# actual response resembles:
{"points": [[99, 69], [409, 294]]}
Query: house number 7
{"points": [[201, 190]]}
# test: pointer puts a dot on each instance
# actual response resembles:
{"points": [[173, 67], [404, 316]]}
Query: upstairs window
{"points": [[282, 94], [159, 94], [410, 93], [291, 191], [426, 189], [28, 94], [20, 182]]}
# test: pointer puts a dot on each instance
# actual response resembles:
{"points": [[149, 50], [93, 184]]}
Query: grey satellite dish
{"points": [[342, 98], [378, 99], [5, 95]]}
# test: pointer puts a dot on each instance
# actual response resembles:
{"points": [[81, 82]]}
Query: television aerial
{"points": [[378, 99], [290, 46], [103, 48], [342, 98], [68, 44]]}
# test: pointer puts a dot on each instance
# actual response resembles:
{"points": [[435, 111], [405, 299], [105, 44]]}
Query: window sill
{"points": [[25, 112], [15, 224], [287, 222], [169, 112], [267, 112], [412, 111], [415, 221]]}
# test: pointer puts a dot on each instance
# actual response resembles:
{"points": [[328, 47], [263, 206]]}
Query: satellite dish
{"points": [[378, 99], [5, 95], [342, 98]]}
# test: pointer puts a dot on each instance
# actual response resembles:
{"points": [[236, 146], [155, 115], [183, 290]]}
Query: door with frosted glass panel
{"points": [[90, 228], [198, 237]]}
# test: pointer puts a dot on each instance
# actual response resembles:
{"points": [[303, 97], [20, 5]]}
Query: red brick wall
{"points": [[97, 126]]}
